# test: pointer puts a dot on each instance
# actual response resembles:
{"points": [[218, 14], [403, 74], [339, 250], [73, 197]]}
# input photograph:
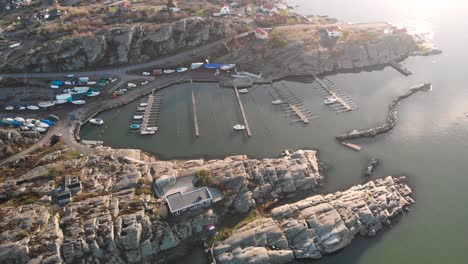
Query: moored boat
{"points": [[278, 102], [147, 132], [138, 117], [96, 121], [196, 65], [243, 91], [239, 127], [46, 104], [182, 69], [135, 126], [79, 102], [152, 128], [330, 100], [143, 104], [19, 119], [32, 107]]}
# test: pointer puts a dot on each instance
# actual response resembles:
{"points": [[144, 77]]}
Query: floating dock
{"points": [[292, 105], [244, 116], [147, 113], [151, 112], [397, 66], [351, 145], [343, 103], [195, 117]]}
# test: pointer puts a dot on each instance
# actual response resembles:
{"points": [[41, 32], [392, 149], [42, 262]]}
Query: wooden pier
{"points": [[397, 66], [343, 103], [147, 113], [195, 117], [292, 105], [151, 112], [244, 116]]}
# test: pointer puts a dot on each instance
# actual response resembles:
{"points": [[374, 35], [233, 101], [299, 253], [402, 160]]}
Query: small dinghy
{"points": [[32, 107], [239, 127], [138, 117], [330, 100], [61, 101], [152, 128], [147, 132], [135, 126], [20, 119], [196, 65], [243, 91], [9, 108], [79, 102], [168, 71], [46, 104], [42, 124], [182, 69], [278, 102], [93, 94], [96, 121], [40, 129]]}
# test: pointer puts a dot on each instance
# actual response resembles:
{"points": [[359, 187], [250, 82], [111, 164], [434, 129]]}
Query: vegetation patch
{"points": [[226, 232]]}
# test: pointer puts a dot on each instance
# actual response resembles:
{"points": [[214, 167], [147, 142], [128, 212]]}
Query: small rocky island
{"points": [[318, 225]]}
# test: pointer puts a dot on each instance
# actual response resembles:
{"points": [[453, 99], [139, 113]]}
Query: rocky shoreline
{"points": [[391, 118], [316, 226]]}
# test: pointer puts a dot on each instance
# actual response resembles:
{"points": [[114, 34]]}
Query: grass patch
{"points": [[226, 232]]}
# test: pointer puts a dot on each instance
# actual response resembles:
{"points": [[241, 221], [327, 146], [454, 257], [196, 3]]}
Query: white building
{"points": [[334, 32], [224, 10]]}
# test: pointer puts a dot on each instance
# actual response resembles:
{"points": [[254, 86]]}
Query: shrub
{"points": [[23, 234], [203, 178]]}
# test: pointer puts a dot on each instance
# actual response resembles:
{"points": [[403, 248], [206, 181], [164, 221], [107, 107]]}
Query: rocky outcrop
{"points": [[391, 118], [13, 141], [318, 225], [296, 58], [120, 45]]}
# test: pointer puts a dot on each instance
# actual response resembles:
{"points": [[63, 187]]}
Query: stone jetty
{"points": [[391, 118], [316, 226]]}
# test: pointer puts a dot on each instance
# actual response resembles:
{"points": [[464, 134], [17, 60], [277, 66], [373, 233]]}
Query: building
{"points": [[224, 10], [334, 32], [179, 203], [279, 19], [268, 8], [126, 7], [70, 186], [260, 33]]}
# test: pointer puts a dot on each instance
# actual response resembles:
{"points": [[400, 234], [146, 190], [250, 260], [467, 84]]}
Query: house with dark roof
{"points": [[69, 186], [179, 202]]}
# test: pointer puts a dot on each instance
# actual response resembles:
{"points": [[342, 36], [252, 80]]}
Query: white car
{"points": [[131, 85], [146, 74], [144, 83]]}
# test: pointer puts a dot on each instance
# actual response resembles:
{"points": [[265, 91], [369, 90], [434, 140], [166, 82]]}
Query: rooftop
{"points": [[178, 201]]}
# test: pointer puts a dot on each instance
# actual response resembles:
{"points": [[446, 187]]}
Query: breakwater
{"points": [[391, 118]]}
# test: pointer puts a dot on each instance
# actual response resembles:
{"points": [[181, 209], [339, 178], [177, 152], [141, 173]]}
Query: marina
{"points": [[244, 116], [327, 88], [290, 103], [152, 106]]}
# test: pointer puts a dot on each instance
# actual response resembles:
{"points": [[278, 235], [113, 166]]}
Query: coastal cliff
{"points": [[318, 225], [119, 45]]}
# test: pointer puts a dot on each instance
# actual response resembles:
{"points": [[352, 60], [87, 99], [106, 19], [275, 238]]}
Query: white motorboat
{"points": [[20, 119], [152, 128], [243, 91], [93, 94], [61, 101], [138, 117], [147, 132], [239, 127], [42, 124], [96, 121], [278, 102], [131, 85], [46, 104], [141, 109], [196, 65], [182, 69], [227, 67], [330, 100], [143, 104], [168, 71], [32, 107], [79, 102], [40, 129], [9, 108]]}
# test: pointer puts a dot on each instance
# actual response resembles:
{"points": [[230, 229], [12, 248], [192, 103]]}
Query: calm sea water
{"points": [[429, 143]]}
